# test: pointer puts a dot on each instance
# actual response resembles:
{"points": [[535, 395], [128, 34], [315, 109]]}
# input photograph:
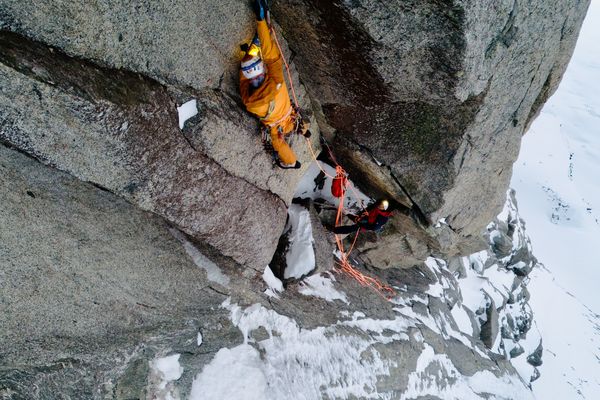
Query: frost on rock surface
{"points": [[162, 372], [344, 360], [213, 272], [322, 286], [493, 290]]}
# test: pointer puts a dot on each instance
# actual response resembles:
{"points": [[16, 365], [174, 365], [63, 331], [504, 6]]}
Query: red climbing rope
{"points": [[344, 264]]}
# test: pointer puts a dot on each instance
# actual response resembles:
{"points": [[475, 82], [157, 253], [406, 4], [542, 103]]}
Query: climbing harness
{"points": [[344, 263], [265, 134]]}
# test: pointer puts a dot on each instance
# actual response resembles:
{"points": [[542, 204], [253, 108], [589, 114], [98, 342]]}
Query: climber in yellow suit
{"points": [[265, 93]]}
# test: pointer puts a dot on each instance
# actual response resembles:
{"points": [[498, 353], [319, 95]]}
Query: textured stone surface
{"points": [[400, 245], [425, 103], [92, 289], [174, 42], [324, 242], [119, 130], [426, 100], [490, 329], [438, 93]]}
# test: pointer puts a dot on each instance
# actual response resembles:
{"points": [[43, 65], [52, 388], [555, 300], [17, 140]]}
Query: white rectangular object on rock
{"points": [[187, 111]]}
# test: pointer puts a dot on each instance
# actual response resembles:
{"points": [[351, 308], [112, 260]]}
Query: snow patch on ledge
{"points": [[310, 364], [213, 272], [187, 111], [300, 258], [319, 363], [163, 371], [448, 383], [274, 285], [354, 201], [321, 286]]}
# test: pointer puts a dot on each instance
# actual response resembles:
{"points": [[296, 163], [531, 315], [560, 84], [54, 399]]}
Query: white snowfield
{"points": [[556, 179]]}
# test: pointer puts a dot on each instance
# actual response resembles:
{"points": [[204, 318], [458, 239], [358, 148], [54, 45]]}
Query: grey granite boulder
{"points": [[119, 130], [490, 329], [93, 289], [435, 94]]}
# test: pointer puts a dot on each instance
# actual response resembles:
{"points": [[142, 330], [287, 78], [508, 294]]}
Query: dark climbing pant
{"points": [[346, 229]]}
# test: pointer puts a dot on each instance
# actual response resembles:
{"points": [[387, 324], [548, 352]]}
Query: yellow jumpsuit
{"points": [[271, 101]]}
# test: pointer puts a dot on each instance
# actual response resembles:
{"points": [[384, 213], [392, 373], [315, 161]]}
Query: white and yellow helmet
{"points": [[384, 205], [252, 66]]}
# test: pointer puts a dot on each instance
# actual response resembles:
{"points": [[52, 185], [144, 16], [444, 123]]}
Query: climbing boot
{"points": [[288, 166]]}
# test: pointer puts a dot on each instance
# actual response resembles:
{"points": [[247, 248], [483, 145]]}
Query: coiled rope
{"points": [[344, 265]]}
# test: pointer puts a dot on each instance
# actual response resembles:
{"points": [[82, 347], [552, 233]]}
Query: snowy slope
{"points": [[428, 347], [556, 180]]}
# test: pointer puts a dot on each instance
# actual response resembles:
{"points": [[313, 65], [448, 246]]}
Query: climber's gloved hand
{"points": [[304, 126], [259, 10]]}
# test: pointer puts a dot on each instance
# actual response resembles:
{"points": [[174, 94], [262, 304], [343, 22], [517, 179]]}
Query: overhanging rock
{"points": [[438, 93]]}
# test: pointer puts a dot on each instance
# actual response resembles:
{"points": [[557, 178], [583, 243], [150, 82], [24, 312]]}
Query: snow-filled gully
{"points": [[345, 359]]}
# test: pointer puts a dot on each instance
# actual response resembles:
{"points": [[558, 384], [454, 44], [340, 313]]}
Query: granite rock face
{"points": [[423, 101], [93, 89], [437, 94], [168, 41], [93, 289], [119, 130]]}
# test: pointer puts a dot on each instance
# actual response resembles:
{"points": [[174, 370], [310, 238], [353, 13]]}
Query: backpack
{"points": [[338, 186]]}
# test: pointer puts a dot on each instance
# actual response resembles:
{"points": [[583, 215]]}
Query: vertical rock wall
{"points": [[92, 289], [93, 89], [425, 101], [436, 93]]}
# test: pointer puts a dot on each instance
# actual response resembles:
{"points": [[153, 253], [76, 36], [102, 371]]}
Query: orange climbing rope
{"points": [[344, 264], [287, 67]]}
